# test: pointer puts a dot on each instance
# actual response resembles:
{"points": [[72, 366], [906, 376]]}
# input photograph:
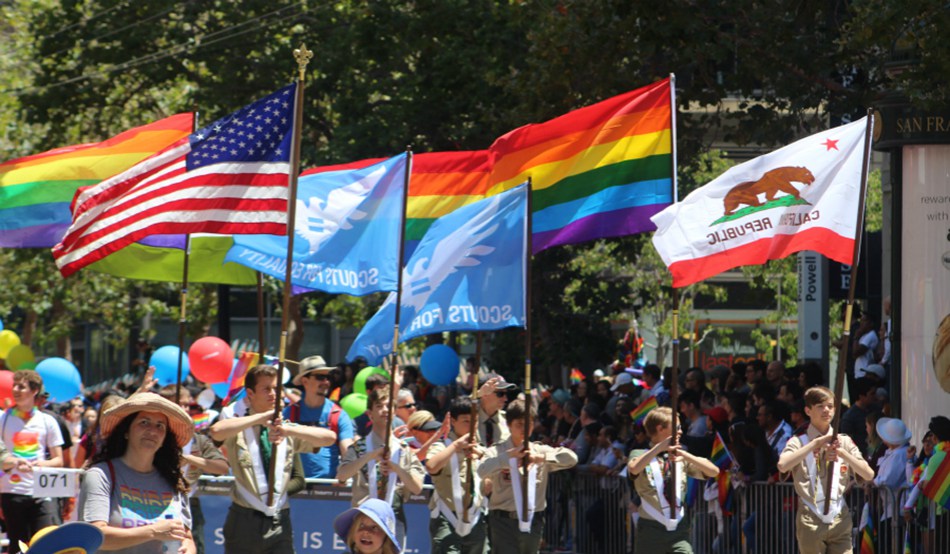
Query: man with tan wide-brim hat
{"points": [[316, 410]]}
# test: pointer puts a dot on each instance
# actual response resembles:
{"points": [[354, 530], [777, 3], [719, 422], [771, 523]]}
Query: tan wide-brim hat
{"points": [[180, 423], [312, 364]]}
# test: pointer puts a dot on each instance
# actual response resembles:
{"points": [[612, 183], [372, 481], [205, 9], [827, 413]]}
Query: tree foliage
{"points": [[447, 75]]}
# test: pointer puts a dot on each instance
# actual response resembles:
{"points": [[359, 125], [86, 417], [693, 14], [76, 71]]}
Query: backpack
{"points": [[333, 421]]}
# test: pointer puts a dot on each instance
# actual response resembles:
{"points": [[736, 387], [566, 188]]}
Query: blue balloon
{"points": [[60, 378], [165, 360], [440, 364], [221, 389], [1, 325]]}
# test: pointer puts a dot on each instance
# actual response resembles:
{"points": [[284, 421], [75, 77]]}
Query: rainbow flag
{"points": [[868, 533], [726, 493], [202, 421], [576, 376], [693, 488], [937, 476], [36, 191], [908, 547], [639, 413], [246, 360], [597, 172], [720, 455]]}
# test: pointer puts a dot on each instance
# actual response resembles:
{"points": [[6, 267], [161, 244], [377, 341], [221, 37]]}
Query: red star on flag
{"points": [[830, 145]]}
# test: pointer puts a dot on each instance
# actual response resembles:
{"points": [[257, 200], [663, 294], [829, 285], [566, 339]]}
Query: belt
{"points": [[510, 515]]}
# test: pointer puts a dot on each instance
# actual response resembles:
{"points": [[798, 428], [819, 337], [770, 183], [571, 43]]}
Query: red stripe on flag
{"points": [[821, 240]]}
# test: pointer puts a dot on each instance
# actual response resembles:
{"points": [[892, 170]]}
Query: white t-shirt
{"points": [[29, 440], [862, 362]]}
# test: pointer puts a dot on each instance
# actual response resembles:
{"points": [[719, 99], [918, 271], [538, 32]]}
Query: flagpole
{"points": [[846, 332], [260, 317], [402, 252], [473, 432], [302, 55], [674, 379], [182, 319], [527, 355]]}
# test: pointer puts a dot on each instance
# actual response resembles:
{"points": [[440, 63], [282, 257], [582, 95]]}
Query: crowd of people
{"points": [[144, 449]]}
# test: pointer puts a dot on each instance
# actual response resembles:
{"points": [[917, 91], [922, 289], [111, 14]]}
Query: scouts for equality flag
{"points": [[801, 197], [347, 227], [467, 274]]}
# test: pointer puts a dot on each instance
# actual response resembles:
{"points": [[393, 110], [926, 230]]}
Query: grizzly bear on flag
{"points": [[778, 179]]}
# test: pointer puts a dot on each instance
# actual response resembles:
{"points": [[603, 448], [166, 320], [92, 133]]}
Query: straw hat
{"points": [[893, 431], [312, 364], [179, 422]]}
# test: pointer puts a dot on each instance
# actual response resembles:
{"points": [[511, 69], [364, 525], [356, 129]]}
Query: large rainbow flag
{"points": [[36, 191], [937, 476], [597, 172]]}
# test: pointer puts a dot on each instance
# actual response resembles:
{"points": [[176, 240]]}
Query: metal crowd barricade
{"points": [[590, 514]]}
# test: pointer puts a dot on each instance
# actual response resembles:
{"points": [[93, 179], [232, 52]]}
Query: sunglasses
{"points": [[501, 394], [405, 406], [319, 376]]}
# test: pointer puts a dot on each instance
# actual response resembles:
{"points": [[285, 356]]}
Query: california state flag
{"points": [[801, 197]]}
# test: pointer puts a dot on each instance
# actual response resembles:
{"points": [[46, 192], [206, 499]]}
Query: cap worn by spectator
{"points": [[621, 380], [502, 384], [717, 414], [876, 369], [598, 374], [560, 396]]}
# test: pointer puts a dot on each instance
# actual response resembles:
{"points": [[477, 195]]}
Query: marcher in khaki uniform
{"points": [[493, 395], [364, 463], [807, 456], [453, 530], [253, 525], [658, 531], [510, 533]]}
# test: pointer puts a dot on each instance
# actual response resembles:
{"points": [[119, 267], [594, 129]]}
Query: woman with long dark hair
{"points": [[135, 491]]}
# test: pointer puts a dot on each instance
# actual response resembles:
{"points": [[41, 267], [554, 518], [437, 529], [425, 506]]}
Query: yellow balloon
{"points": [[8, 339], [19, 355]]}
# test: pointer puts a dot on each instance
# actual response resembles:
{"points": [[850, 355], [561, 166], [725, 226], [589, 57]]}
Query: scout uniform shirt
{"points": [[651, 482], [495, 465], [395, 494], [443, 501], [250, 474], [809, 476], [492, 430]]}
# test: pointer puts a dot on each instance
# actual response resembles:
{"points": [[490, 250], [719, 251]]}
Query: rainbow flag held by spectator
{"points": [[576, 376], [937, 476], [726, 493], [693, 487], [202, 421], [720, 454], [639, 413], [246, 360], [868, 543]]}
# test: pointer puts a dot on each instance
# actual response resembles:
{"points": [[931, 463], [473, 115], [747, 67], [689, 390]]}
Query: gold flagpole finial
{"points": [[303, 56]]}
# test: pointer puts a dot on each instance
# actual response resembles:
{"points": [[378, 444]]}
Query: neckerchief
{"points": [[25, 416]]}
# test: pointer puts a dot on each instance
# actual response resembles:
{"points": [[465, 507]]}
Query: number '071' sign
{"points": [[55, 482]]}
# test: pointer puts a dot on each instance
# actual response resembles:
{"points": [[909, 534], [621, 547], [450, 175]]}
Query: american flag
{"points": [[228, 178]]}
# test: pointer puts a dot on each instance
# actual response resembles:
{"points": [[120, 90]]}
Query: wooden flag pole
{"points": [[672, 492], [527, 357], [261, 349], [183, 317], [303, 56], [395, 359], [183, 313], [674, 384], [473, 431], [846, 332]]}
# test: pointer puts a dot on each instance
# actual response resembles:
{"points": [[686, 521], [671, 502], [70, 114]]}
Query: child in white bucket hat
{"points": [[369, 528]]}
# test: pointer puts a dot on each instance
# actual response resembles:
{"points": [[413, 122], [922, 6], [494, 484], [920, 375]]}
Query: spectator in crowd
{"points": [[811, 375], [853, 420], [91, 442], [512, 530], [89, 417], [651, 376], [771, 419], [590, 425], [135, 492], [71, 413], [864, 344], [754, 374], [369, 528], [891, 471], [256, 523], [717, 421], [603, 390], [316, 410], [390, 479], [694, 419], [623, 387], [34, 439], [405, 406], [695, 380], [719, 378], [556, 424], [775, 374], [797, 418], [790, 392]]}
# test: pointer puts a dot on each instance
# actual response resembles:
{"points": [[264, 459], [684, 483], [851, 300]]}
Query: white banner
{"points": [[925, 287]]}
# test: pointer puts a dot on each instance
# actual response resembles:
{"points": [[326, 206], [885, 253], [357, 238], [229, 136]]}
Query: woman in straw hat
{"points": [[135, 491]]}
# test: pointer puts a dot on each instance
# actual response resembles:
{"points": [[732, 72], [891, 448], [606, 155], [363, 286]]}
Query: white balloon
{"points": [[206, 398]]}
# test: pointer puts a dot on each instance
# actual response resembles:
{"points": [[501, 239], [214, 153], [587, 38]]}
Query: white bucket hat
{"points": [[893, 431]]}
